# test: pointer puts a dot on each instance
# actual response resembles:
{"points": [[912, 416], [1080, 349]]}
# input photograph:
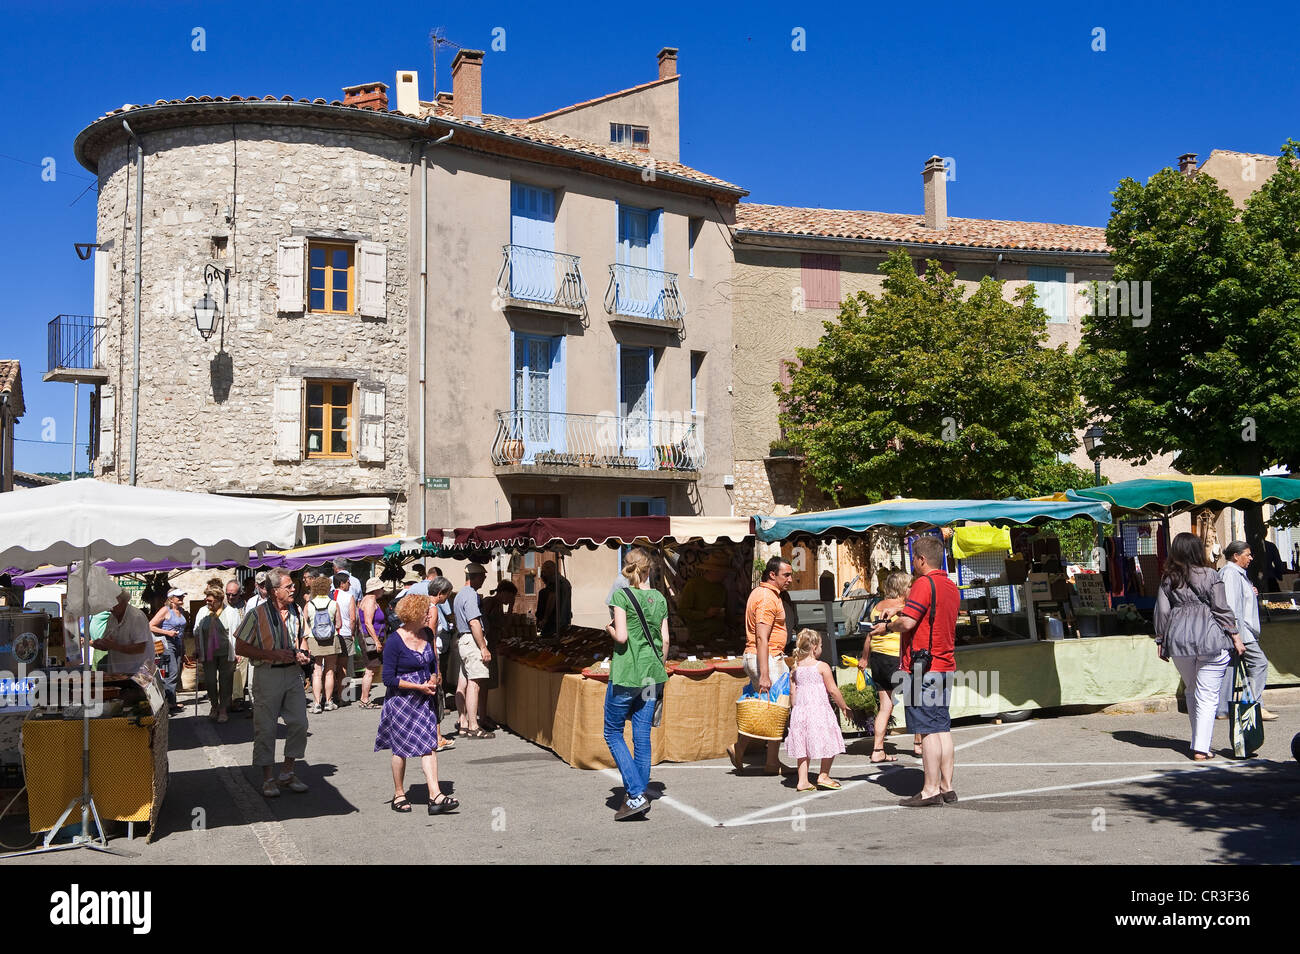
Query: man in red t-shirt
{"points": [[928, 622]]}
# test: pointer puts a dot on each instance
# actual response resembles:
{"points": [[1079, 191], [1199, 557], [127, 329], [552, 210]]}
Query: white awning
{"points": [[343, 511]]}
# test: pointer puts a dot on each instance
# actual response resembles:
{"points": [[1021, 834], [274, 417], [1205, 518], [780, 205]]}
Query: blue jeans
{"points": [[638, 704]]}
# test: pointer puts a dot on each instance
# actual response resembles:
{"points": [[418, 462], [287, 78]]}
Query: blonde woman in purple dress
{"points": [[814, 730]]}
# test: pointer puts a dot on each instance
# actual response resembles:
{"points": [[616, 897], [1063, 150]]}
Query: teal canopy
{"points": [[839, 524]]}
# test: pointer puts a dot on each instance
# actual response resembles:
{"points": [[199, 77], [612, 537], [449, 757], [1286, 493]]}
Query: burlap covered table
{"points": [[565, 712]]}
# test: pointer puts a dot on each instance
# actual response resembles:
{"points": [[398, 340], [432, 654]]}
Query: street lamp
{"points": [[207, 310], [1092, 443]]}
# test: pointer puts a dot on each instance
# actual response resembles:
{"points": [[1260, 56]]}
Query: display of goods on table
{"points": [[690, 667], [1280, 606], [582, 649]]}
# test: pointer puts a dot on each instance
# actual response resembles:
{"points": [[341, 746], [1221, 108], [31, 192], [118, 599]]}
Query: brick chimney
{"points": [[1187, 163], [667, 62], [467, 84], [367, 96], [936, 194]]}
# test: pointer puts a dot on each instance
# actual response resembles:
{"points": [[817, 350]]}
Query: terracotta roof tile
{"points": [[896, 227], [11, 383], [523, 129]]}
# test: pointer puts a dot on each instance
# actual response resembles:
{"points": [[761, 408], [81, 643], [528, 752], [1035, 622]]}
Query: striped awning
{"points": [[1176, 492]]}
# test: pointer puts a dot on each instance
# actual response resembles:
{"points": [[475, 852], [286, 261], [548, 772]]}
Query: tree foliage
{"points": [[1215, 375], [926, 391]]}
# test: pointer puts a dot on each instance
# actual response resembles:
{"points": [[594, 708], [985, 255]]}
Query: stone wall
{"points": [[206, 408]]}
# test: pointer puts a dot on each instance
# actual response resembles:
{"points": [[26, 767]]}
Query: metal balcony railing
{"points": [[548, 438], [535, 274], [644, 293], [73, 341]]}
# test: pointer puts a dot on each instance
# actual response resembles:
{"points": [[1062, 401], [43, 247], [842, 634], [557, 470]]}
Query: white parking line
{"points": [[751, 820], [271, 835], [803, 799], [1007, 730], [682, 807]]}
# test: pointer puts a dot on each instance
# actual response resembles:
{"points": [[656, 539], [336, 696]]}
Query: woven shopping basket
{"points": [[760, 719]]}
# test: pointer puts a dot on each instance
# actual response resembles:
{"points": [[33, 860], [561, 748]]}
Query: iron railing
{"points": [[539, 275], [644, 293], [549, 438], [73, 341]]}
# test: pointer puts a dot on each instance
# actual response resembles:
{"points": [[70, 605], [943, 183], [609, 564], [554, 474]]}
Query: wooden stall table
{"points": [[565, 712], [128, 769]]}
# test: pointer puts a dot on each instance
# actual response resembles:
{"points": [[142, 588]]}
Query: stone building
{"points": [[11, 409], [294, 217]]}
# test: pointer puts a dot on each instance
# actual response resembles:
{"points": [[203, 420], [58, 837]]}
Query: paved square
{"points": [[1090, 789]]}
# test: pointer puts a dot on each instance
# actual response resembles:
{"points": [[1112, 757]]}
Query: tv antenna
{"points": [[437, 40]]}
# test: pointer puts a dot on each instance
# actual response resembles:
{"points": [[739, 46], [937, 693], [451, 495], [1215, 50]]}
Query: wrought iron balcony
{"points": [[600, 441], [538, 276], [645, 293], [73, 348]]}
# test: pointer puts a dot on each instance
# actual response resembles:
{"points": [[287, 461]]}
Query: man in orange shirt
{"points": [[765, 638]]}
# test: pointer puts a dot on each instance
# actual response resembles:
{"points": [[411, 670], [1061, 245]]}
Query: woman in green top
{"points": [[636, 677]]}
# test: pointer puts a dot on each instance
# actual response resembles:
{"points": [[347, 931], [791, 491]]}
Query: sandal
{"points": [[369, 705], [831, 786], [886, 757], [400, 804], [443, 804], [1202, 756], [805, 791], [478, 734], [445, 744]]}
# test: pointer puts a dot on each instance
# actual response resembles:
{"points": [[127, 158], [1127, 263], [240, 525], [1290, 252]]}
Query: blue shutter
{"points": [[532, 225], [1049, 283]]}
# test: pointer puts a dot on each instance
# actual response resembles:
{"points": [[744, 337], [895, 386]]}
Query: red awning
{"points": [[587, 532]]}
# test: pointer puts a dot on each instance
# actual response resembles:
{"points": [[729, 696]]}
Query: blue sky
{"points": [[1040, 124]]}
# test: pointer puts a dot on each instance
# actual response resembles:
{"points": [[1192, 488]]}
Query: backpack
{"points": [[322, 624]]}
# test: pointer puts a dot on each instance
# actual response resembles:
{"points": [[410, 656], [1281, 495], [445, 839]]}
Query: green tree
{"points": [[925, 391], [1212, 373]]}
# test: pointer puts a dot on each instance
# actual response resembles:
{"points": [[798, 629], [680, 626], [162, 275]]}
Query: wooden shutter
{"points": [[292, 294], [107, 424], [288, 419], [371, 423], [372, 279], [821, 281]]}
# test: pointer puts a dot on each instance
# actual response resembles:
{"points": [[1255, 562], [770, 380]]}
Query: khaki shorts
{"points": [[471, 660], [775, 666]]}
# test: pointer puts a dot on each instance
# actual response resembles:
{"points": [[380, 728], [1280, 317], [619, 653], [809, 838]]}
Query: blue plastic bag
{"points": [[780, 687]]}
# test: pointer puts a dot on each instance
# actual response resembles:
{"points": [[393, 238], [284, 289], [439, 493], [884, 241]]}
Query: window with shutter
{"points": [[107, 424], [821, 280], [331, 278], [1049, 284], [373, 280], [292, 296], [288, 419], [371, 423], [330, 428]]}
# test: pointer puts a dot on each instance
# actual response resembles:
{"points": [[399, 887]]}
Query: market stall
{"points": [[1016, 598], [88, 521], [552, 691], [1148, 500]]}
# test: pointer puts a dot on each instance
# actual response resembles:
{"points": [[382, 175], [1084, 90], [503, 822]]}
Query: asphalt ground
{"points": [[1066, 790]]}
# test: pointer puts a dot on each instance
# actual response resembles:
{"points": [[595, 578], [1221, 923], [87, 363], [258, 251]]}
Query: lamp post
{"points": [[1092, 443], [207, 310]]}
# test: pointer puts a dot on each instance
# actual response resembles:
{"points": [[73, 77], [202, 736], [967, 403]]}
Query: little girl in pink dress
{"points": [[814, 730]]}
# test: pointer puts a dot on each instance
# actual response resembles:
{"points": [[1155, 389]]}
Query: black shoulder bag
{"points": [[645, 630], [922, 659]]}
